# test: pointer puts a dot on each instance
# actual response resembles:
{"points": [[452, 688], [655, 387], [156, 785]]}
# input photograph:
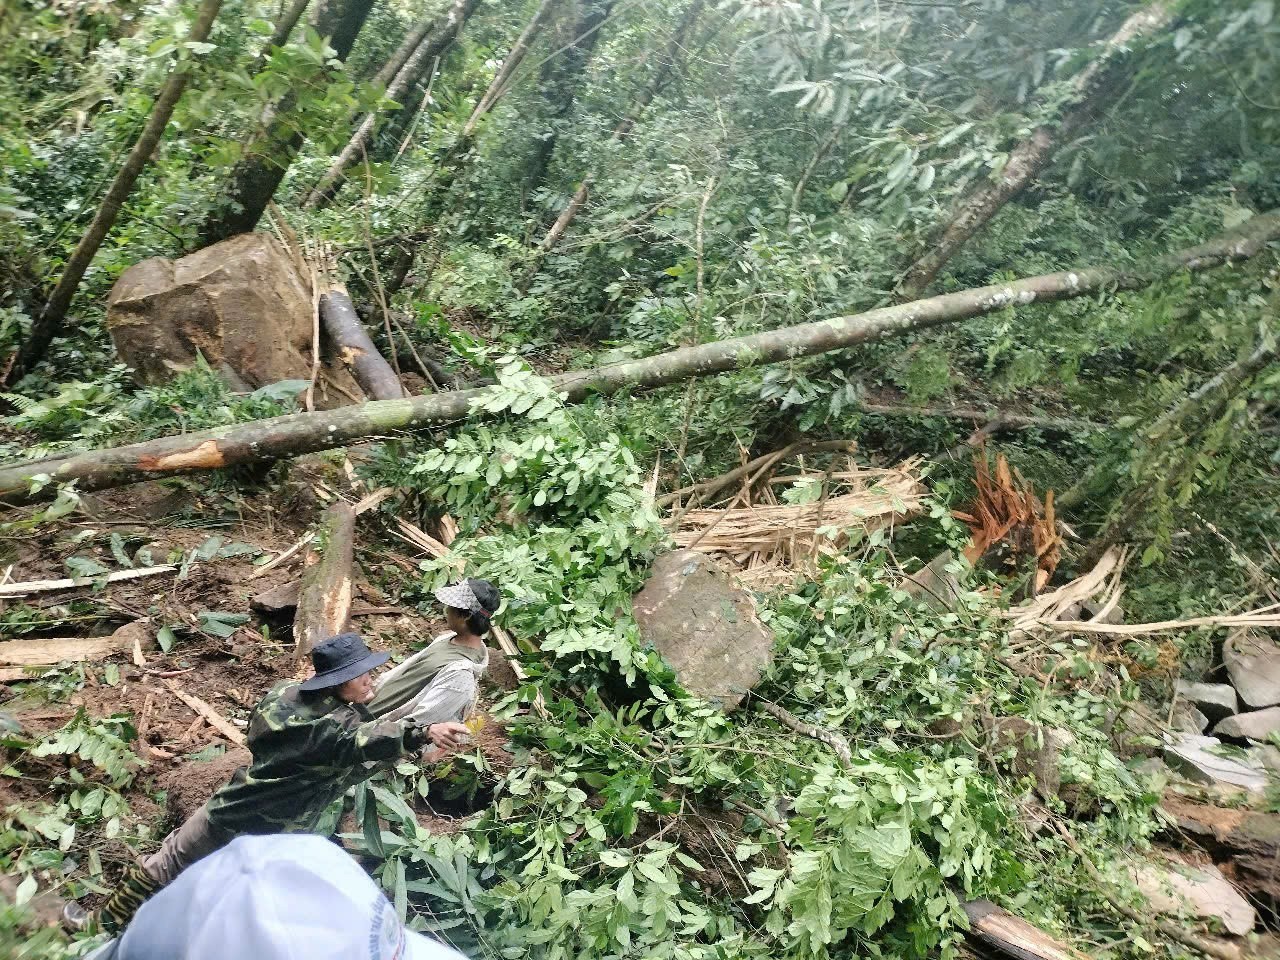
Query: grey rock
{"points": [[1137, 731], [1201, 891], [1250, 726], [1214, 700], [1253, 663], [1037, 752], [705, 626], [933, 585], [280, 599], [9, 724], [1268, 756], [1187, 718], [1190, 755], [1091, 610]]}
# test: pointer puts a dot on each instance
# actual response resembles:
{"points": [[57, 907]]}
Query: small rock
{"points": [[1038, 750], [1091, 610], [1250, 726], [1189, 755], [1187, 718], [933, 585], [1268, 756], [9, 724], [1203, 891], [1214, 700], [277, 601], [1253, 663], [1137, 731]]}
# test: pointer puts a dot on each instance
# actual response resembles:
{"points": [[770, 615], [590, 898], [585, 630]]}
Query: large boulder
{"points": [[1253, 663], [706, 627], [240, 304]]}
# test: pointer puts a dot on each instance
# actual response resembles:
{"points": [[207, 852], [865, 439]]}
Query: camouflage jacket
{"points": [[307, 750]]}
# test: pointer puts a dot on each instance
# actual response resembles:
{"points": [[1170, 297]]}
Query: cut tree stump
{"points": [[324, 603], [351, 344]]}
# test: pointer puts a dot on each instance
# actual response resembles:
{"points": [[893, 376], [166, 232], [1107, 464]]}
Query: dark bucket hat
{"points": [[341, 658]]}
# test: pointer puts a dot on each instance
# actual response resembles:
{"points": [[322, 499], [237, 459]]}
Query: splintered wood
{"points": [[1008, 514], [772, 542]]}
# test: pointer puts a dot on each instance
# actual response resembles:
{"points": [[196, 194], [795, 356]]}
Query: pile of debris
{"points": [[776, 528]]}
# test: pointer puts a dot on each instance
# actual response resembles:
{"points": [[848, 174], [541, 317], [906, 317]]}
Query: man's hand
{"points": [[447, 736]]}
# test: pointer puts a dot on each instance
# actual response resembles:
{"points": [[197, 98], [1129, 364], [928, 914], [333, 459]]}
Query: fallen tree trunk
{"points": [[300, 433], [355, 349], [1092, 89], [1009, 934], [324, 604]]}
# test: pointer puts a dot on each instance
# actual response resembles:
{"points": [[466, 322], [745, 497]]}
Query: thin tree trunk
{"points": [[355, 349], [280, 35], [48, 324], [408, 75], [818, 156], [324, 603], [256, 177], [300, 433], [1092, 90], [671, 57], [559, 82], [509, 64]]}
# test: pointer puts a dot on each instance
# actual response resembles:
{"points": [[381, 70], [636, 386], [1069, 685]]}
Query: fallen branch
{"points": [[1001, 930], [992, 420], [832, 739], [1265, 617], [324, 604], [50, 651], [300, 433], [212, 716], [1171, 930], [70, 583], [287, 555]]}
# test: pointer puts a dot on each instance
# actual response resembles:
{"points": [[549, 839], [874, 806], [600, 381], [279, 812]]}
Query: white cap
{"points": [[281, 897]]}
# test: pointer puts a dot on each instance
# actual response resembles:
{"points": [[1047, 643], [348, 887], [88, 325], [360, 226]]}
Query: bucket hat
{"points": [[470, 594], [341, 658]]}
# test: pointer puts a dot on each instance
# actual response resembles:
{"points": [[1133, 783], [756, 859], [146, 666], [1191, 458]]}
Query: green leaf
{"points": [[221, 623], [26, 890], [84, 567], [166, 638]]}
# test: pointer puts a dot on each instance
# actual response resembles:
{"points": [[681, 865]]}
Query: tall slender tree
{"points": [[49, 322], [257, 175], [558, 85], [280, 33], [1093, 89], [671, 57], [435, 42]]}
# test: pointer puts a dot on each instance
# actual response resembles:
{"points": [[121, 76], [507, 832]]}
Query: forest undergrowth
{"points": [[529, 189]]}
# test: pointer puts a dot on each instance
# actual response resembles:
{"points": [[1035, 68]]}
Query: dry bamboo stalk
{"points": [[48, 586]]}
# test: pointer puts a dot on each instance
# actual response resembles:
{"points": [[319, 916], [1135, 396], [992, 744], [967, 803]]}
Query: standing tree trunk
{"points": [[280, 34], [257, 175], [408, 75], [559, 85], [666, 69], [1092, 90], [49, 322], [299, 433], [512, 60]]}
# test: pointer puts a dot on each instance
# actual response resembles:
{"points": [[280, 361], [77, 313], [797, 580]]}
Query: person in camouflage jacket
{"points": [[310, 742]]}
